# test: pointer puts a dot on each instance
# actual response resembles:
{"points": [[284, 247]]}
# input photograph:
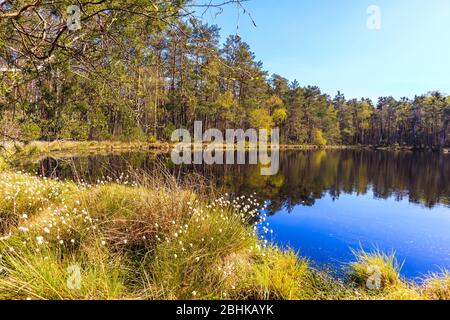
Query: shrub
{"points": [[30, 131], [151, 139], [318, 138], [167, 132], [279, 116]]}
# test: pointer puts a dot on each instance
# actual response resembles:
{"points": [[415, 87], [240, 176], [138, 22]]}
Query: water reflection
{"points": [[304, 177], [327, 231], [324, 202]]}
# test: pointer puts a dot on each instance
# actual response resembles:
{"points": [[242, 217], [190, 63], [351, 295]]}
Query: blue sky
{"points": [[327, 43]]}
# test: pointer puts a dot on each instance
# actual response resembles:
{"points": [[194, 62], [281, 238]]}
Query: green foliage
{"points": [[226, 104], [30, 131], [167, 133], [319, 138], [260, 119], [274, 101], [151, 139], [175, 72], [74, 129], [3, 163], [279, 116], [24, 194], [134, 134]]}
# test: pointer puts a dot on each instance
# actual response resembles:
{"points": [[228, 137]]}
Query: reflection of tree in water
{"points": [[304, 175]]}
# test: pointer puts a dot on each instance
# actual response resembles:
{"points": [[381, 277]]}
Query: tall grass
{"points": [[378, 267], [437, 286], [378, 274], [47, 275], [23, 196], [162, 239], [197, 257]]}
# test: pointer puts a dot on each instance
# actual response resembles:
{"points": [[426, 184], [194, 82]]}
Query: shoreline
{"points": [[195, 246], [62, 146], [13, 152]]}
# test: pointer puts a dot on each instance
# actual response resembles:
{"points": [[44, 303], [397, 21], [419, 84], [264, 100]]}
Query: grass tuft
{"points": [[437, 286], [375, 270], [160, 240]]}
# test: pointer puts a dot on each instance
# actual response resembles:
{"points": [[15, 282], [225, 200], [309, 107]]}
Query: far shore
{"points": [[63, 147]]}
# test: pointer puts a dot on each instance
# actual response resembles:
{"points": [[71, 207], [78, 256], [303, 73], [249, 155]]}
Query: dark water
{"points": [[323, 203]]}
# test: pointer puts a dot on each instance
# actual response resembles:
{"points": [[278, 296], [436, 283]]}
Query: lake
{"points": [[324, 203]]}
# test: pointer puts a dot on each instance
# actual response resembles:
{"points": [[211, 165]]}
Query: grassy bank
{"points": [[59, 148], [165, 240], [38, 149], [43, 147]]}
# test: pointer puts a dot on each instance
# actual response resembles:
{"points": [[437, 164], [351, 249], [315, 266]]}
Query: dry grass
{"points": [[35, 149], [375, 269], [164, 239], [437, 286]]}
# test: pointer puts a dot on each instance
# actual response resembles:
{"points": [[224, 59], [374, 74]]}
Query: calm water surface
{"points": [[323, 203]]}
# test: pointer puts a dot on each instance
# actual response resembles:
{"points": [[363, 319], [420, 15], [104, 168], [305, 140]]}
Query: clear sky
{"points": [[327, 43]]}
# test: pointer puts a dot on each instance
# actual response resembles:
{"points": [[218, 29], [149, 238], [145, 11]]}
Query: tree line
{"points": [[138, 70]]}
